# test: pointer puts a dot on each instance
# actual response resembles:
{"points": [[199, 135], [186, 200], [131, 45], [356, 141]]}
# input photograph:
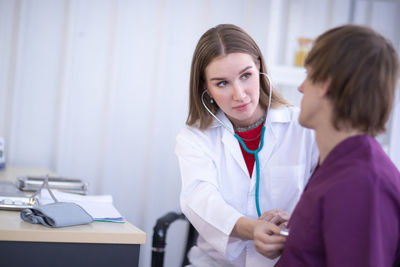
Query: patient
{"points": [[349, 213]]}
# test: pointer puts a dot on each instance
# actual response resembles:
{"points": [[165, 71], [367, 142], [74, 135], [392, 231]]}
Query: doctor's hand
{"points": [[276, 216], [267, 239]]}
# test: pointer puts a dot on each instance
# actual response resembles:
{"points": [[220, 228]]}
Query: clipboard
{"points": [[70, 185], [13, 199]]}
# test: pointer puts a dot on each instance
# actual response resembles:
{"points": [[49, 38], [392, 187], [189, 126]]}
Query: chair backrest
{"points": [[160, 236]]}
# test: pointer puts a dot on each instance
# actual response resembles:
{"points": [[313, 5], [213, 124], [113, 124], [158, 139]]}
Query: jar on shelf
{"points": [[304, 46]]}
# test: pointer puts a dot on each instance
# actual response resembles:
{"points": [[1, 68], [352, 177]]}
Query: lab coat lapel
{"points": [[276, 117], [231, 144], [270, 141]]}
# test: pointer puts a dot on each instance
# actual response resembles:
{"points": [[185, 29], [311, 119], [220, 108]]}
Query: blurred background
{"points": [[98, 89]]}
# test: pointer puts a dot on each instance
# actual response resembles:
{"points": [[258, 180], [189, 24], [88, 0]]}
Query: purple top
{"points": [[349, 213]]}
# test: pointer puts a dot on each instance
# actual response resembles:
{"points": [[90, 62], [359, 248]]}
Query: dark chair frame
{"points": [[160, 236]]}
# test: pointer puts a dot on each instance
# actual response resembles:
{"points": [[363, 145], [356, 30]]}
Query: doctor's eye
{"points": [[246, 76], [222, 84]]}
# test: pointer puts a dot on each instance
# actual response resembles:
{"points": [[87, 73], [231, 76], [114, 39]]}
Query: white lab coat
{"points": [[217, 190]]}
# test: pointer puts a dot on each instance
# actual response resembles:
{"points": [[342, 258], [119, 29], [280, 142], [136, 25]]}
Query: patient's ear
{"points": [[325, 87]]}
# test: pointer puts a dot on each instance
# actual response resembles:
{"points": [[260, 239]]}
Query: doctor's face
{"points": [[234, 83]]}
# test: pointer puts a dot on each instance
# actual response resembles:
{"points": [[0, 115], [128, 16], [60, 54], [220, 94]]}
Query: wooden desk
{"points": [[95, 244]]}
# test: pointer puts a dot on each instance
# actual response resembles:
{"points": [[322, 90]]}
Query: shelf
{"points": [[287, 75]]}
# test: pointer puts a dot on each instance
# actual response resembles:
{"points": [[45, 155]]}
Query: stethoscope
{"points": [[254, 152]]}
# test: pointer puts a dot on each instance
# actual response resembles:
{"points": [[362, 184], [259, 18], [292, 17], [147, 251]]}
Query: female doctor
{"points": [[242, 154]]}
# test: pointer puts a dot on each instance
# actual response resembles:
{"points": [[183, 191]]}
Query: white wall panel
{"points": [[35, 83], [9, 29]]}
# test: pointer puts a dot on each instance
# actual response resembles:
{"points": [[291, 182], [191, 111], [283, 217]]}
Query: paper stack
{"points": [[100, 207]]}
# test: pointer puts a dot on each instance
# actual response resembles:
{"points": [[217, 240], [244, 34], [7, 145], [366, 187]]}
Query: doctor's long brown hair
{"points": [[219, 41]]}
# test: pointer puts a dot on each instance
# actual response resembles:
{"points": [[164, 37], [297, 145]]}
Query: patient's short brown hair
{"points": [[363, 69]]}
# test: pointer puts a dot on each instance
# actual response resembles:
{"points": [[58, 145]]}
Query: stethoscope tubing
{"points": [[254, 152]]}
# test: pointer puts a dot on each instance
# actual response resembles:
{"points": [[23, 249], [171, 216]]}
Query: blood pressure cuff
{"points": [[58, 214]]}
